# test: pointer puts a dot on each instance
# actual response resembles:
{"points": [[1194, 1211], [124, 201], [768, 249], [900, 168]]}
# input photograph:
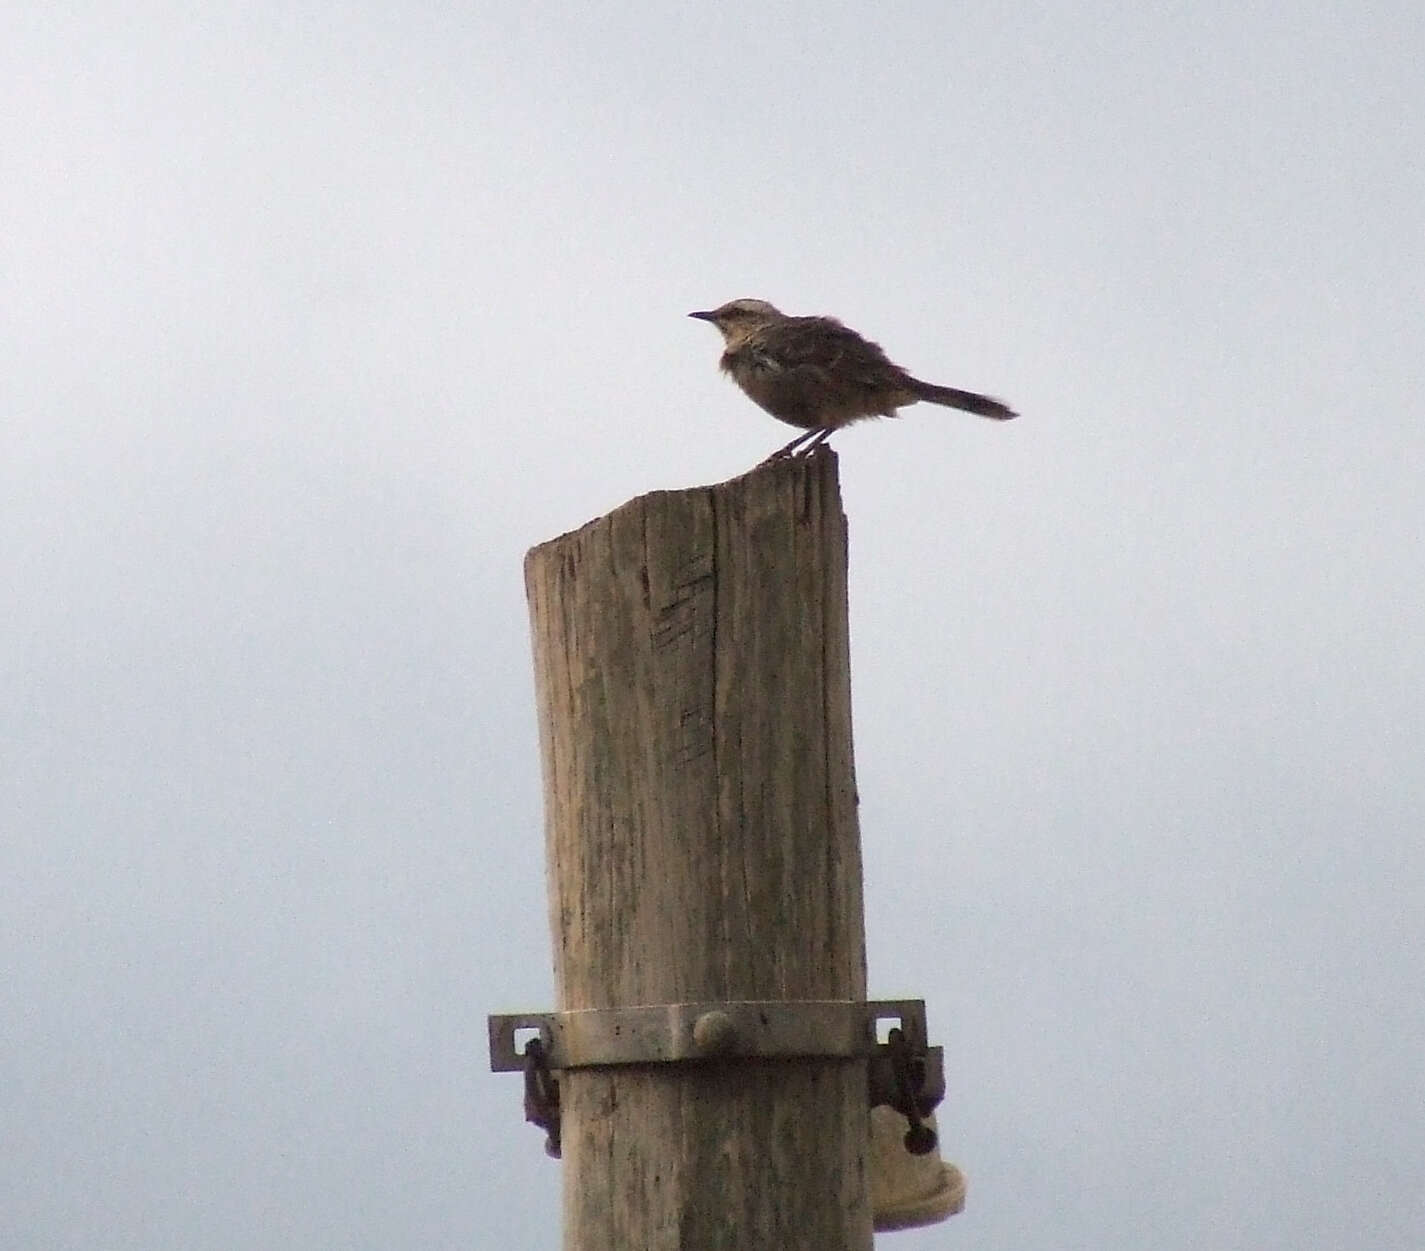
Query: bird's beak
{"points": [[704, 316]]}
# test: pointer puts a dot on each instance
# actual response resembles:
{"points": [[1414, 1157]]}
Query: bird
{"points": [[815, 373]]}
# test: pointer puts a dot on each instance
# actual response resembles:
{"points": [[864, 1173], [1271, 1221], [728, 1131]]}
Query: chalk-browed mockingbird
{"points": [[815, 373]]}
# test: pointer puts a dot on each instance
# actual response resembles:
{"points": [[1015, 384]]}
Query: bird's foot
{"points": [[802, 445], [810, 447]]}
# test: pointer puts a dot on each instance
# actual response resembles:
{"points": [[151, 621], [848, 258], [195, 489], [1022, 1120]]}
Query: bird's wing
{"points": [[824, 347], [812, 371], [822, 343]]}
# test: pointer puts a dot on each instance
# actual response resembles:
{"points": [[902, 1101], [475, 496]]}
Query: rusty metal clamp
{"points": [[903, 1072], [541, 1095]]}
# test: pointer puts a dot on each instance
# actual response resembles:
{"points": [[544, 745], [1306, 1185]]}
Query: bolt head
{"points": [[714, 1033]]}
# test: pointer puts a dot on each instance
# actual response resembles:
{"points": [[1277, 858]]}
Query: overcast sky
{"points": [[316, 317]]}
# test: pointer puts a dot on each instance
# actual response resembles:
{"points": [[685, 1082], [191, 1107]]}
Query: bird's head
{"points": [[737, 318]]}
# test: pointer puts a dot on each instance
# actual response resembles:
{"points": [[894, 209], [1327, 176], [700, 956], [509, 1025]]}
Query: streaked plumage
{"points": [[815, 373]]}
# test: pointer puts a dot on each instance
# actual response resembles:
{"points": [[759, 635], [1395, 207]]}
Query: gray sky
{"points": [[315, 320]]}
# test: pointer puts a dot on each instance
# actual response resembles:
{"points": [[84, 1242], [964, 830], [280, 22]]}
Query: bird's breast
{"points": [[769, 384]]}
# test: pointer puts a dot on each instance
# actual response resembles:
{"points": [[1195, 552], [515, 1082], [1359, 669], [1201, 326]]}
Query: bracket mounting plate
{"points": [[680, 1032]]}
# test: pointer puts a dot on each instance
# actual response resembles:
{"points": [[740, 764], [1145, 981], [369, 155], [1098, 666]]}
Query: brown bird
{"points": [[815, 373]]}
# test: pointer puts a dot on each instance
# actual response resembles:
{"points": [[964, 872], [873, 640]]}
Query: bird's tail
{"points": [[968, 401]]}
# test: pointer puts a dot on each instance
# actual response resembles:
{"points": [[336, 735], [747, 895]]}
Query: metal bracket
{"points": [[675, 1032], [903, 1072]]}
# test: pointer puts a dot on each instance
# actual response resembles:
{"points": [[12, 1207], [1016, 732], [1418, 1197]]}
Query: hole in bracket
{"points": [[884, 1026], [522, 1035]]}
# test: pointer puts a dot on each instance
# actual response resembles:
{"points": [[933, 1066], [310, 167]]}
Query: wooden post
{"points": [[691, 662]]}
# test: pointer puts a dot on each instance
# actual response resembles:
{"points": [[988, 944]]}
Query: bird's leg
{"points": [[791, 448], [814, 442]]}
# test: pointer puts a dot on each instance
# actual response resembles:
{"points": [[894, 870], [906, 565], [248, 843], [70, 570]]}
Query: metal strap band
{"points": [[679, 1032]]}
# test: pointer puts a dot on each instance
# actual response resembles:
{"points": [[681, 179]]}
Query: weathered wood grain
{"points": [[692, 672]]}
